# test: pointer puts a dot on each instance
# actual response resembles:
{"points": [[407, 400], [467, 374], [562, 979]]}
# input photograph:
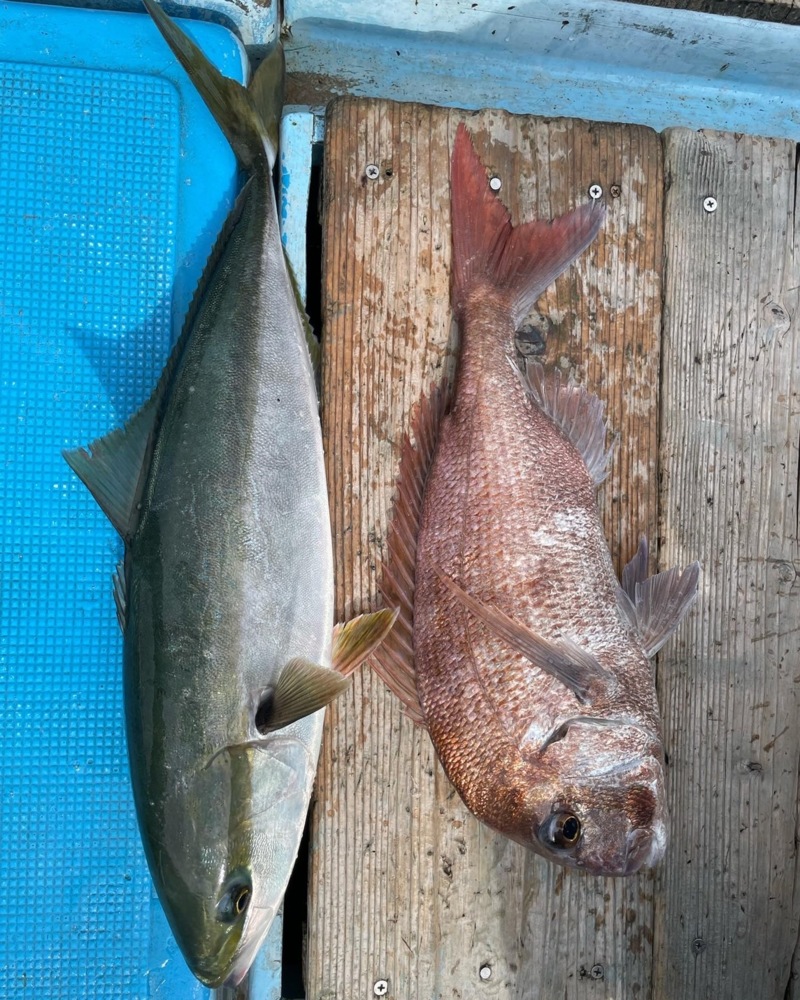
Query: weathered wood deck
{"points": [[682, 321]]}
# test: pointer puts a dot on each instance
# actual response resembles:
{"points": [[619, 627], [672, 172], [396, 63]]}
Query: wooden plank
{"points": [[727, 903], [405, 885], [785, 11]]}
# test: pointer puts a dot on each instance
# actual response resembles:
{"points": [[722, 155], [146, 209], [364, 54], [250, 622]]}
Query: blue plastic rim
{"points": [[114, 181]]}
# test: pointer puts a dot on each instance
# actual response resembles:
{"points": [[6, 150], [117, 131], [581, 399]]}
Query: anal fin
{"points": [[577, 412], [120, 595], [113, 470], [394, 661]]}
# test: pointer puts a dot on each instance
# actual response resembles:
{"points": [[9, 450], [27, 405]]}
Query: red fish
{"points": [[517, 647]]}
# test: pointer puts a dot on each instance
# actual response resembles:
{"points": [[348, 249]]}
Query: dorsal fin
{"points": [[577, 412], [394, 661], [657, 604]]}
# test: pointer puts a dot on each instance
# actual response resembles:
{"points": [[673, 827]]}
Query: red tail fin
{"points": [[520, 261]]}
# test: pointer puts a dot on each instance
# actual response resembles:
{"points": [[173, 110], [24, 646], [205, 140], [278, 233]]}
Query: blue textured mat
{"points": [[113, 178]]}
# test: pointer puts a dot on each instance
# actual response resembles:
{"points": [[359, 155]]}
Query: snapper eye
{"points": [[234, 901], [561, 832]]}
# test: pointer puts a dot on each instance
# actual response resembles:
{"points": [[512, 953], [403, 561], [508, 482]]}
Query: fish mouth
{"points": [[247, 951]]}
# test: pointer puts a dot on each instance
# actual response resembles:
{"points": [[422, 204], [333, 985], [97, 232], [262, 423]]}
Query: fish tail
{"points": [[248, 116], [518, 262]]}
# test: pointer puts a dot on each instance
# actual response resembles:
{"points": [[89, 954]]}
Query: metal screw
{"points": [[495, 183], [595, 192], [597, 972], [485, 972], [373, 173], [698, 946], [710, 204], [381, 988], [615, 190]]}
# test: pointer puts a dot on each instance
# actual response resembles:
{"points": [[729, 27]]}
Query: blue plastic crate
{"points": [[114, 181]]}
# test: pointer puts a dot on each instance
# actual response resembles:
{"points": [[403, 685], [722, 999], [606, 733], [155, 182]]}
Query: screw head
{"points": [[380, 988], [485, 972], [699, 946], [615, 190], [710, 204], [495, 183], [595, 192], [372, 171], [597, 972]]}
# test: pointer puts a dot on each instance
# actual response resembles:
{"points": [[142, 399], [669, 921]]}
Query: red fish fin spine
{"points": [[394, 660], [516, 262]]}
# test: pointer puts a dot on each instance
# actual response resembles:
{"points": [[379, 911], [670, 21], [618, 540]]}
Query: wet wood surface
{"points": [[406, 886]]}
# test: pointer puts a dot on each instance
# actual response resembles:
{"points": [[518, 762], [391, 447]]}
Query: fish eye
{"points": [[234, 901], [562, 831]]}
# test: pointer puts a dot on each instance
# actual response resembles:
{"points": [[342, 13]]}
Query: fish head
{"points": [[230, 839], [604, 809]]}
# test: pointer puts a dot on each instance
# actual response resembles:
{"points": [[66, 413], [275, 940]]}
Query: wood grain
{"points": [[405, 885], [727, 904]]}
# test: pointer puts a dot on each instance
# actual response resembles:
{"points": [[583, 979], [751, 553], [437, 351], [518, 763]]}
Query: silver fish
{"points": [[225, 595]]}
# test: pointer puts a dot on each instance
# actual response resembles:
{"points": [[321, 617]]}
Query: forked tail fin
{"points": [[247, 115], [517, 261]]}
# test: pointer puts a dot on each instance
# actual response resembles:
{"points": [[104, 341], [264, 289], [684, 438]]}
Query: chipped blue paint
{"points": [[606, 61], [296, 141]]}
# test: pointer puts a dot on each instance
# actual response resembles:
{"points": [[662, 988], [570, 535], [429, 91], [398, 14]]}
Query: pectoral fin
{"points": [[303, 688], [353, 641], [576, 668], [657, 604]]}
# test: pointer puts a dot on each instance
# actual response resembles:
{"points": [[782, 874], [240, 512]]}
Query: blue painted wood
{"points": [[606, 61], [296, 139]]}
